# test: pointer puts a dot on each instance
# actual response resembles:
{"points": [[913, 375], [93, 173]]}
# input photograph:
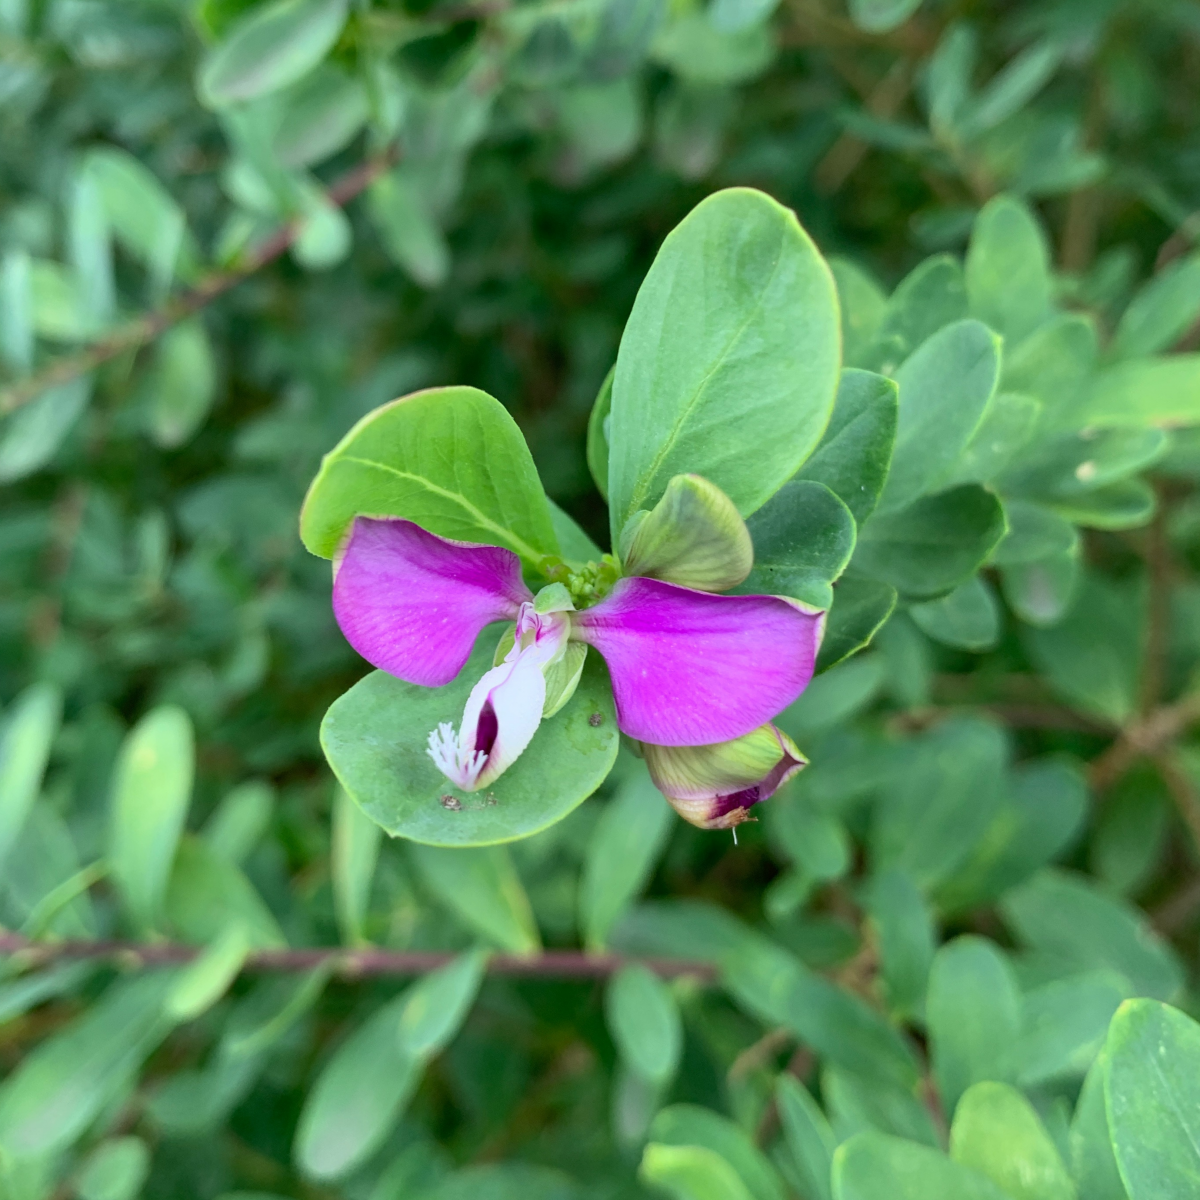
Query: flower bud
{"points": [[694, 536], [715, 786]]}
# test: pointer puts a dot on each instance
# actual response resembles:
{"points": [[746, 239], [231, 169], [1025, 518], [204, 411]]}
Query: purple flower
{"points": [[688, 668]]}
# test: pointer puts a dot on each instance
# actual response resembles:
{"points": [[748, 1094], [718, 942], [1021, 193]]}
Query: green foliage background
{"points": [[911, 966]]}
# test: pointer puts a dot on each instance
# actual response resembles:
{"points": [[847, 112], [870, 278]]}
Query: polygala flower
{"points": [[689, 668]]}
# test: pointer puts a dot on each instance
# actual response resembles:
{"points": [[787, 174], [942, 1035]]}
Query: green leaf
{"points": [[151, 792], [1067, 917], [874, 1166], [450, 459], [17, 339], [936, 809], [949, 83], [967, 618], [437, 1005], [357, 1098], [832, 698], [60, 311], [929, 297], [1014, 86], [882, 16], [354, 849], [1093, 657], [1042, 592], [238, 823], [481, 887], [208, 892], [945, 388], [852, 458], [690, 1173], [30, 726], [803, 538], [375, 739], [60, 1088], [997, 1131], [1035, 532], [31, 436], [1152, 1095], [90, 248], [857, 1104], [1127, 504], [691, 1125], [862, 302], [270, 47], [906, 936], [410, 235], [1043, 806], [575, 543], [504, 1181], [321, 114], [1093, 1162], [1072, 465], [1064, 1023], [115, 1170], [934, 544], [778, 989], [808, 1135], [597, 434], [267, 1014], [1053, 364], [207, 979], [736, 322], [973, 1011], [644, 1021], [1161, 313], [182, 384], [1008, 263], [860, 608], [693, 47], [1007, 426]]}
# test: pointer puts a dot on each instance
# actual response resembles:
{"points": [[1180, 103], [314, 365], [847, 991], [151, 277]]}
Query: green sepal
{"points": [[694, 536], [562, 677]]}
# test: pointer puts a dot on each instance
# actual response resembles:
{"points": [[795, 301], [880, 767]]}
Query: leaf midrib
{"points": [[640, 490], [523, 548]]}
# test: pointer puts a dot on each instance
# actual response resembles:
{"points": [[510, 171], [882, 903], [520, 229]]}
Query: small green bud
{"points": [[694, 536], [554, 597]]}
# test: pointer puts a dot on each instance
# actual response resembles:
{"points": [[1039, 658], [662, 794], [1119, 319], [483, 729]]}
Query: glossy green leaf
{"points": [[31, 437], [1064, 1023], [644, 1021], [437, 1005], [1127, 504], [735, 322], [934, 544], [597, 435], [945, 388], [29, 729], [61, 1087], [354, 849], [860, 608], [692, 1125], [1035, 532], [481, 887], [1053, 364], [622, 853], [809, 1139], [1008, 265], [269, 48], [1162, 311], [574, 542], [115, 1170], [906, 935], [181, 385], [862, 302], [852, 458], [1071, 465], [833, 697], [929, 297], [997, 1131], [803, 538], [1042, 592], [152, 788], [375, 739], [690, 1173], [973, 1011], [1152, 1096], [882, 16], [1066, 916], [450, 459], [935, 811], [357, 1097], [1093, 1163], [207, 979], [874, 1166], [410, 235], [968, 617], [1007, 426]]}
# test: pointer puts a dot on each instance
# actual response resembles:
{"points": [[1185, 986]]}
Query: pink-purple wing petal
{"points": [[412, 603], [690, 668]]}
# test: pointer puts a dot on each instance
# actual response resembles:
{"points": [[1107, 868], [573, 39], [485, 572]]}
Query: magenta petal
{"points": [[412, 603], [691, 668]]}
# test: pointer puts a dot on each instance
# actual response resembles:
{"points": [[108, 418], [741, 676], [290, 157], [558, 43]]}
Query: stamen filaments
{"points": [[453, 757]]}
